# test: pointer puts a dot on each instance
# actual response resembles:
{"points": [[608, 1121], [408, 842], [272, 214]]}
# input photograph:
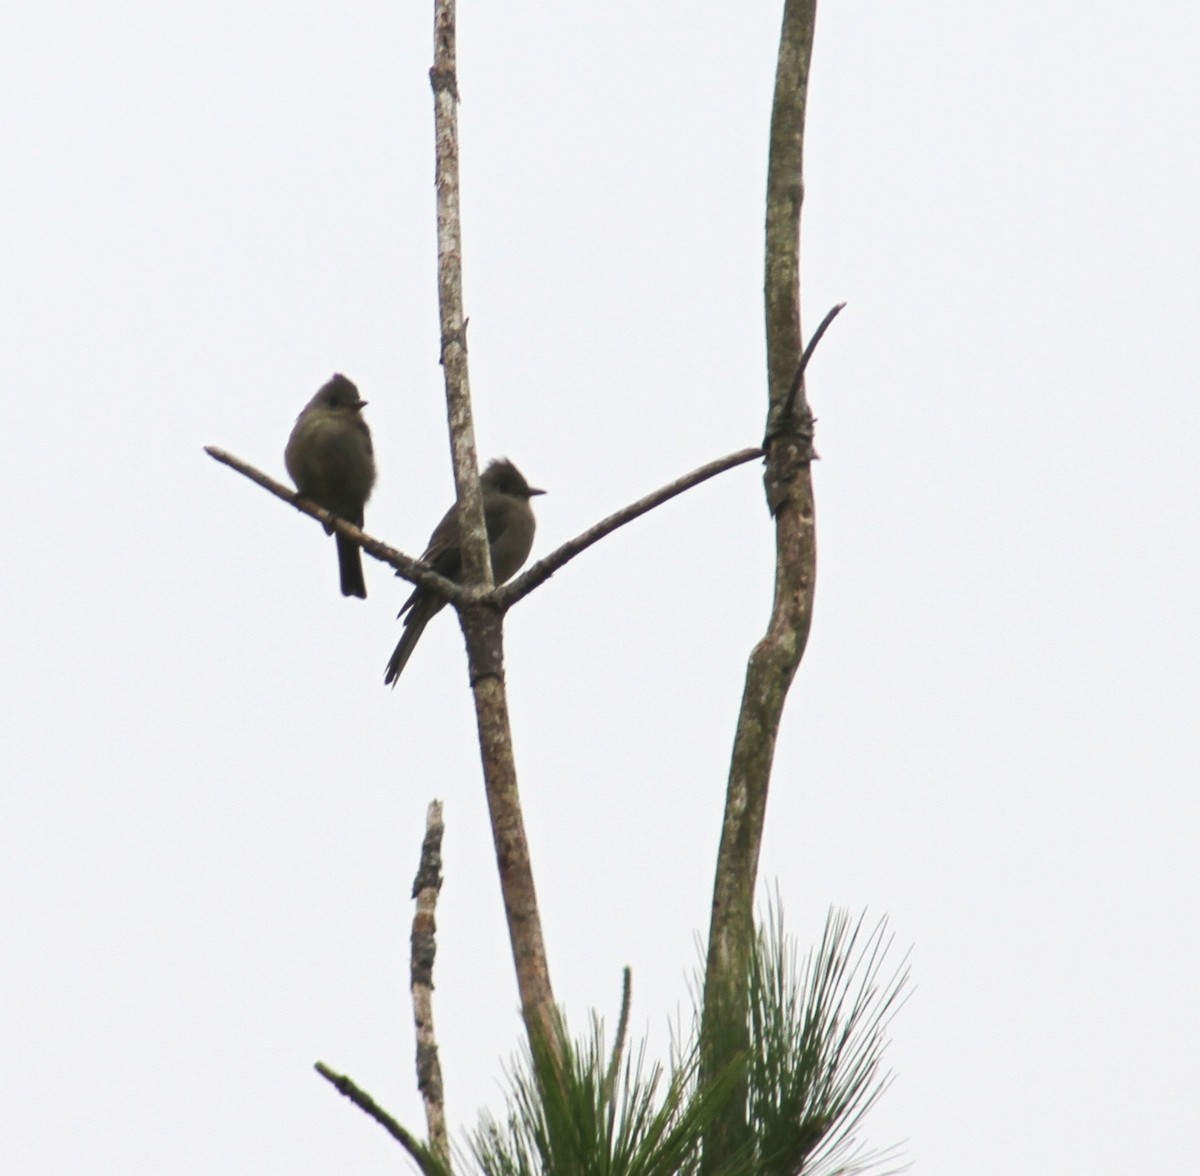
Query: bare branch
{"points": [[443, 77], [426, 886], [789, 401], [541, 571], [830, 315], [412, 570], [362, 1100], [482, 624]]}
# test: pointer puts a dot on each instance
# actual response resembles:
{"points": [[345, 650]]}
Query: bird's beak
{"points": [[532, 491], [360, 405]]}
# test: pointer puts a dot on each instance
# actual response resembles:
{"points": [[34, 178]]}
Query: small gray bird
{"points": [[330, 458], [510, 526]]}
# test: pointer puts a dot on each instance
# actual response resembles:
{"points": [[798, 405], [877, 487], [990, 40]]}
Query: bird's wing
{"points": [[444, 554], [497, 514]]}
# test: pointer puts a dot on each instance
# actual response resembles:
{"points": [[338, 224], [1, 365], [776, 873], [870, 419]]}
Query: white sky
{"points": [[212, 808]]}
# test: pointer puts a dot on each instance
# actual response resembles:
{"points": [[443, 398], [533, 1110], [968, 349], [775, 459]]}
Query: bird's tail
{"points": [[423, 610], [350, 568]]}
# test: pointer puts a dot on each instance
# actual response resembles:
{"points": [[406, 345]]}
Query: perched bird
{"points": [[330, 458], [510, 526]]}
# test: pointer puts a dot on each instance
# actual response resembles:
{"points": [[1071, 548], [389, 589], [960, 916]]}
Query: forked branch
{"points": [[416, 572]]}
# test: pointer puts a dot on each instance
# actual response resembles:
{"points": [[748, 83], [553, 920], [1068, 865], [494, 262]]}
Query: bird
{"points": [[510, 527], [330, 458]]}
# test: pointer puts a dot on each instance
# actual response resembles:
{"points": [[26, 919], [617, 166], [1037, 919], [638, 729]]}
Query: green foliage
{"points": [[588, 1115], [817, 1033]]}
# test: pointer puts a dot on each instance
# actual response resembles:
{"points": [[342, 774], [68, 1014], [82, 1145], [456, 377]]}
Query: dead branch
{"points": [[405, 566], [426, 886], [545, 568], [482, 625]]}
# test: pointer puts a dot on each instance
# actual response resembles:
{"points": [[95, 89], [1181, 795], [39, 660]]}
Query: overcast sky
{"points": [[211, 807]]}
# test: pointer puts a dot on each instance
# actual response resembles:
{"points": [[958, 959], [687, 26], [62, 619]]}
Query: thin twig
{"points": [[789, 402], [426, 887], [545, 568], [362, 1100], [412, 570]]}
